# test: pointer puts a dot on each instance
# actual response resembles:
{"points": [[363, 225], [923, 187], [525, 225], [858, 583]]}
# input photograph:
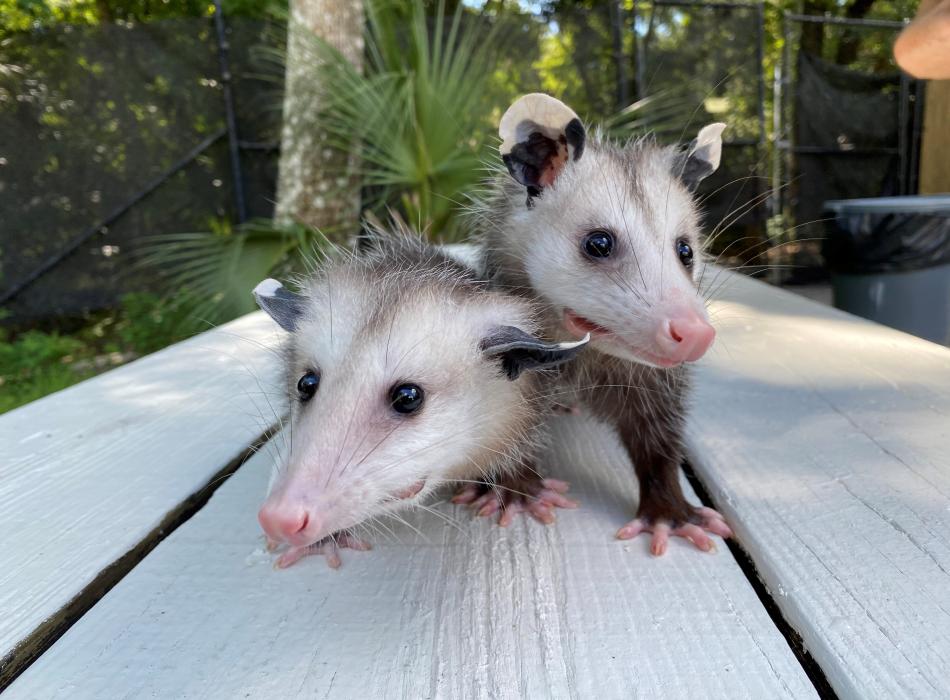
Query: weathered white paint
{"points": [[826, 441], [86, 473], [455, 610]]}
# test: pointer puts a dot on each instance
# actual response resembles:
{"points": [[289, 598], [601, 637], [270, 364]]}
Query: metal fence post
{"points": [[231, 120]]}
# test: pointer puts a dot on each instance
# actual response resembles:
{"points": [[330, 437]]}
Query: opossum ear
{"points": [[520, 351], [282, 306], [539, 135], [701, 159]]}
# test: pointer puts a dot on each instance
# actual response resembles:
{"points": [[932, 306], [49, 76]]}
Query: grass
{"points": [[34, 363]]}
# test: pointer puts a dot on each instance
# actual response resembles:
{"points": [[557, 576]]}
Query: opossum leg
{"points": [[329, 547], [524, 491], [663, 509]]}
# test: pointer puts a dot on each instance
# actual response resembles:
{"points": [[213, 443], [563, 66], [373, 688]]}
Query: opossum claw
{"points": [[517, 494], [466, 494], [329, 547], [707, 520]]}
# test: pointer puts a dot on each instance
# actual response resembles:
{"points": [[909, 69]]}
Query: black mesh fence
{"points": [[111, 134], [120, 119], [846, 131], [121, 129], [709, 56], [850, 131]]}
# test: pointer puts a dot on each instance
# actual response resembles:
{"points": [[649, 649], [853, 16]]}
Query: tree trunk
{"points": [[313, 184], [813, 34], [617, 31], [851, 38]]}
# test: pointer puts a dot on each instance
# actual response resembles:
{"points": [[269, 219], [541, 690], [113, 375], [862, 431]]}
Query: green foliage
{"points": [[214, 271], [146, 323], [577, 60], [416, 120], [420, 117], [414, 117], [35, 363], [19, 15]]}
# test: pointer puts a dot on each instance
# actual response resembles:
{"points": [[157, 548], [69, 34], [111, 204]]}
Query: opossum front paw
{"points": [[705, 519], [509, 496], [329, 547]]}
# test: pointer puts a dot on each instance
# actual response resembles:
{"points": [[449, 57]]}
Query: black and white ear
{"points": [[520, 351], [282, 306], [702, 157], [539, 136]]}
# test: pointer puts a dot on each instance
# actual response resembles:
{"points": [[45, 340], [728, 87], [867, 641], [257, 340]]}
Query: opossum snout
{"points": [[287, 522], [684, 336]]}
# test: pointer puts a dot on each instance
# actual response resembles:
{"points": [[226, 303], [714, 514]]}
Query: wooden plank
{"points": [[826, 440], [88, 473], [935, 140], [457, 609]]}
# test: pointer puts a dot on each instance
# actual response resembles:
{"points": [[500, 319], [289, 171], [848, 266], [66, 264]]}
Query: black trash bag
{"points": [[895, 234]]}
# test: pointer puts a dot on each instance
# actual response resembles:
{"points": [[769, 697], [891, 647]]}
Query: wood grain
{"points": [[826, 441], [935, 140], [445, 607], [87, 473]]}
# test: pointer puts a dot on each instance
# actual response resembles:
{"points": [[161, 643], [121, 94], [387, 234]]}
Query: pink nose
{"points": [[281, 522], [685, 336]]}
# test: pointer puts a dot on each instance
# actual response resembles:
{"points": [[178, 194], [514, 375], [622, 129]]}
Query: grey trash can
{"points": [[889, 259]]}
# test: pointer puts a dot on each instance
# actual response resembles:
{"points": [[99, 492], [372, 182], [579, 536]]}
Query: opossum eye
{"points": [[307, 385], [406, 398], [685, 251], [598, 244]]}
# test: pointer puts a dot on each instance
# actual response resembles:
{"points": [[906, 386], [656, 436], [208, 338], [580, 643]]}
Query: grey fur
{"points": [[276, 301], [646, 404], [362, 296], [520, 351]]}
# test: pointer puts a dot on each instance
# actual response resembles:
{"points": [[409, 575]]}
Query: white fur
{"points": [[348, 452], [648, 211], [709, 143], [533, 112], [267, 288]]}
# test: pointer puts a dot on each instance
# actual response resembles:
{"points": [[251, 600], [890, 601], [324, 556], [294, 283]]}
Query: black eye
{"points": [[685, 252], [307, 385], [406, 398], [598, 244]]}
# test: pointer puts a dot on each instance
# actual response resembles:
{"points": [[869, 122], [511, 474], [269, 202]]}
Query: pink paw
{"points": [[329, 547], [707, 519], [535, 496]]}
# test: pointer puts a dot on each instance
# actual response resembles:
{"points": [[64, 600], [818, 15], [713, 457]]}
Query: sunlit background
{"points": [[140, 197]]}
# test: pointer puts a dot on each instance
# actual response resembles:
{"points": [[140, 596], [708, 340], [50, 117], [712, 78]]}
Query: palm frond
{"points": [[414, 119]]}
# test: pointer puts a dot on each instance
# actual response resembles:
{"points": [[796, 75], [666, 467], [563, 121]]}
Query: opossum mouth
{"points": [[408, 492], [576, 323]]}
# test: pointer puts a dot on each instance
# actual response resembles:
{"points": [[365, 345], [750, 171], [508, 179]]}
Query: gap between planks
{"points": [[43, 637], [635, 633], [745, 563]]}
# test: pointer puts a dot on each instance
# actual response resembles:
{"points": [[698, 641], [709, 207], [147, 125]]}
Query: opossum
{"points": [[403, 372], [607, 237]]}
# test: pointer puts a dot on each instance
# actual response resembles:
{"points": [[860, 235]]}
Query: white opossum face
{"points": [[391, 397], [609, 234]]}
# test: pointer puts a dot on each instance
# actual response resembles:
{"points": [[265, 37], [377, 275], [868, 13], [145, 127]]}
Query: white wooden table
{"points": [[825, 439]]}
